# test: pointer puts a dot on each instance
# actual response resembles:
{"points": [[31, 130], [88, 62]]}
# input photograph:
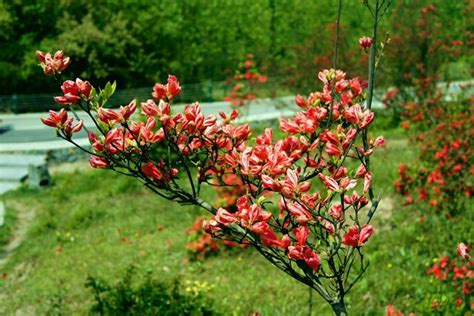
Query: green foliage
{"points": [[149, 297], [106, 93], [385, 120], [140, 42], [56, 305], [423, 41]]}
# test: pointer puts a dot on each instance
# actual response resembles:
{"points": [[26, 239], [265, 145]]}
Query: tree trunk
{"points": [[339, 308]]}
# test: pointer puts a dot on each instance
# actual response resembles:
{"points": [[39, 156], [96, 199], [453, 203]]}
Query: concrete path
{"points": [[14, 169], [26, 132], [2, 214]]}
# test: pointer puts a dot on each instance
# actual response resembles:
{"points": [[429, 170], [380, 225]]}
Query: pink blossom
{"points": [[355, 237], [365, 42], [52, 64], [463, 251]]}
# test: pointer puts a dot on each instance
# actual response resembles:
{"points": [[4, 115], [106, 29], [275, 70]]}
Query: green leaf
{"points": [[107, 91], [114, 86]]}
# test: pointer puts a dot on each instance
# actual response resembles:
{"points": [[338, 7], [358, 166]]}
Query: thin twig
{"points": [[336, 41]]}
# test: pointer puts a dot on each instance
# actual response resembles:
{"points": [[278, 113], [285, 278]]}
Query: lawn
{"points": [[96, 223], [8, 225]]}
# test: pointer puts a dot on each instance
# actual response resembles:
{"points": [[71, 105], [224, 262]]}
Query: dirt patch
{"points": [[70, 167], [25, 216], [397, 143], [385, 209]]}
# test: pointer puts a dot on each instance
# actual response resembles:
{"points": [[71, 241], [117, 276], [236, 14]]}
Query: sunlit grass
{"points": [[97, 223]]}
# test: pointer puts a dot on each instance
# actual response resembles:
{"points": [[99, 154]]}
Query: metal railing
{"points": [[22, 103], [209, 91]]}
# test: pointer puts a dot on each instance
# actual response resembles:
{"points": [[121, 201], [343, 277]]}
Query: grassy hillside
{"points": [[96, 223]]}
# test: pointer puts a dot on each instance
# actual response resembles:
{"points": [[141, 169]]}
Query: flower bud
{"points": [[462, 250], [365, 42], [301, 101]]}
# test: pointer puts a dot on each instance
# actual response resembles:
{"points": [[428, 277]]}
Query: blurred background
{"points": [[139, 43]]}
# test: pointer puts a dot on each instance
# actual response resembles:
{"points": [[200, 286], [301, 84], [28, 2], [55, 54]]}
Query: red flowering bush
{"points": [[428, 40], [392, 311], [245, 83], [442, 129], [454, 278], [443, 176], [305, 208], [308, 198], [201, 244], [450, 286], [427, 44], [440, 125]]}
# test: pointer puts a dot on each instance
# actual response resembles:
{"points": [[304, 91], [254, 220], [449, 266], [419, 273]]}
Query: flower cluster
{"points": [[305, 200], [52, 64], [392, 311], [271, 166], [74, 91], [229, 188], [63, 123], [245, 82], [443, 175], [170, 90], [456, 276]]}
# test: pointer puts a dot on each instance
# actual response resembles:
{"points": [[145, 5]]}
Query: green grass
{"points": [[99, 223], [8, 226]]}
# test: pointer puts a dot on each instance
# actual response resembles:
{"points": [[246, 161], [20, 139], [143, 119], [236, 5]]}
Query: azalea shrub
{"points": [[245, 83], [439, 123], [429, 40], [449, 291], [392, 311], [201, 244], [429, 44], [454, 279], [307, 206], [308, 199], [444, 173], [439, 183]]}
